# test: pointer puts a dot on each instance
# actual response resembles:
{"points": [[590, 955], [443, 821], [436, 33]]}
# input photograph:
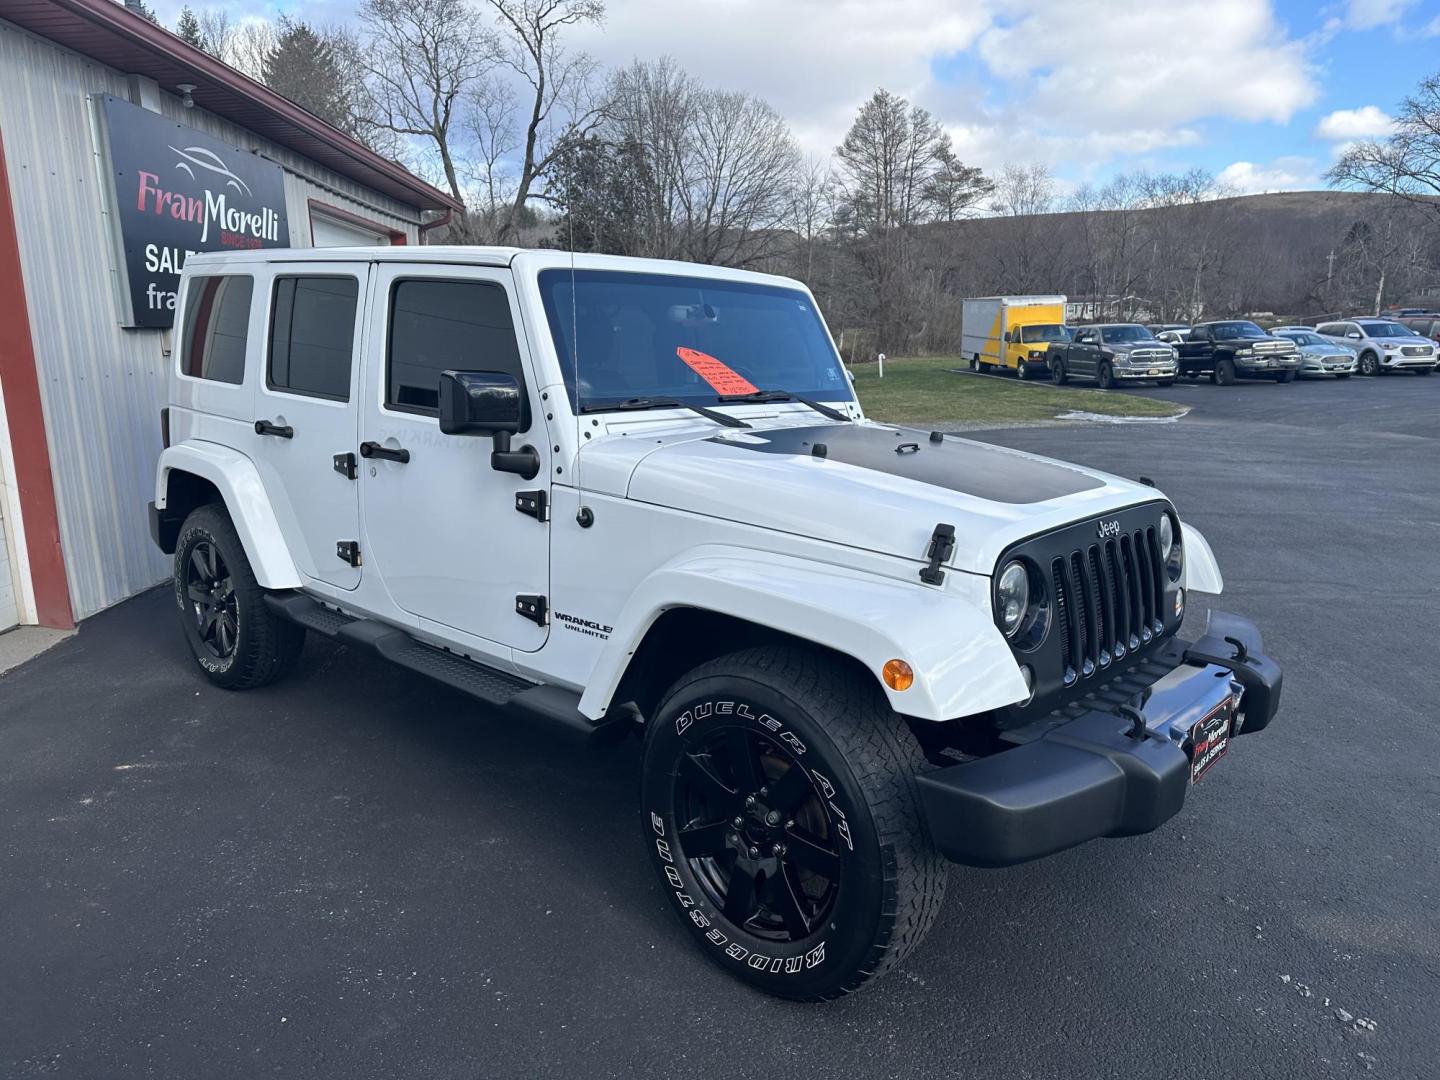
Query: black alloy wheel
{"points": [[236, 639], [213, 606], [754, 828]]}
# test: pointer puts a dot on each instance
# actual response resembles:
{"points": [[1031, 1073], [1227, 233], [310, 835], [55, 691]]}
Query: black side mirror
{"points": [[489, 403]]}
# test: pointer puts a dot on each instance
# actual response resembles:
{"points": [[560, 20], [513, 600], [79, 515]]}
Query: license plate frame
{"points": [[1209, 740]]}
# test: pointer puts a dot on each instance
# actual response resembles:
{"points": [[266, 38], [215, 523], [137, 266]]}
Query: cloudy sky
{"points": [[1260, 92]]}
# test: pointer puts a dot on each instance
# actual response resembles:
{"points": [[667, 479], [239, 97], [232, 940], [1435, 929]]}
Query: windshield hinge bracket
{"points": [[942, 546]]}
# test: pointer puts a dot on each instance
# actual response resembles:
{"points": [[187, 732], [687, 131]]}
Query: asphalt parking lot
{"points": [[354, 874]]}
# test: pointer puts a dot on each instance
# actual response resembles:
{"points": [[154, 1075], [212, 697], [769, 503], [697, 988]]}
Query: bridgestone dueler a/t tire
{"points": [[266, 646], [835, 723]]}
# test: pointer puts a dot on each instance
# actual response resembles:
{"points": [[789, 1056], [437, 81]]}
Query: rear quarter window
{"points": [[216, 328]]}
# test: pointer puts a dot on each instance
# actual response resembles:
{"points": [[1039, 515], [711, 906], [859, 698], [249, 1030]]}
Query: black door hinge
{"points": [[533, 504], [533, 607], [942, 546], [347, 466], [348, 551]]}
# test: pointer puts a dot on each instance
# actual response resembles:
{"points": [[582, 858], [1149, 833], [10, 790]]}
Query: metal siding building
{"points": [[100, 385]]}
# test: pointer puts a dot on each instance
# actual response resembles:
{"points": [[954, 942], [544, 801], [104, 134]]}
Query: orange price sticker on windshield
{"points": [[722, 378]]}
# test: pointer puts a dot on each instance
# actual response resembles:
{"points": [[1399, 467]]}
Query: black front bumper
{"points": [[1102, 767]]}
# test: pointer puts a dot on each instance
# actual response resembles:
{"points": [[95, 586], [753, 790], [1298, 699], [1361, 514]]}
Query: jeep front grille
{"points": [[1109, 601]]}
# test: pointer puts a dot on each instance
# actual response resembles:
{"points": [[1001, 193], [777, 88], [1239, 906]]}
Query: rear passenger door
{"points": [[306, 425]]}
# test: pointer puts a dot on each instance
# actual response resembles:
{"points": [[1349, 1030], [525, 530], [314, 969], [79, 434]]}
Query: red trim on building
{"points": [[397, 238], [28, 443]]}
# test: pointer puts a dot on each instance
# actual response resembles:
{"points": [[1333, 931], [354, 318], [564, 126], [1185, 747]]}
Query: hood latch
{"points": [[942, 546]]}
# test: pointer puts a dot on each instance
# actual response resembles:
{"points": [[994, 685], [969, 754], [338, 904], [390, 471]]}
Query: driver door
{"points": [[441, 525], [1084, 353]]}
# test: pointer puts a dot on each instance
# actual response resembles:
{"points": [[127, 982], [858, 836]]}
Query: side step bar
{"points": [[498, 689]]}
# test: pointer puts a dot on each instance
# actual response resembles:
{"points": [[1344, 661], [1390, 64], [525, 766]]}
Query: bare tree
{"points": [[1407, 164], [1026, 254], [560, 83], [491, 123], [422, 56], [895, 169], [244, 46]]}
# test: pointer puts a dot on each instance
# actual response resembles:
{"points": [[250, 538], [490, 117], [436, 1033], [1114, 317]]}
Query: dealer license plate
{"points": [[1209, 741]]}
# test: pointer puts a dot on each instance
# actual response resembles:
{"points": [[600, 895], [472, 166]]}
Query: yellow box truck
{"points": [[1011, 333]]}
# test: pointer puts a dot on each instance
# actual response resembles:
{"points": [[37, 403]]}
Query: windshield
{"points": [[1301, 337], [691, 339], [1387, 329], [1127, 333], [1048, 332], [1228, 331]]}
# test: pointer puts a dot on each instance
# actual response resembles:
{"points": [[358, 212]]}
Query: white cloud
{"points": [[1095, 63], [1366, 122], [1282, 174], [814, 60], [1368, 14], [1075, 83], [1431, 29]]}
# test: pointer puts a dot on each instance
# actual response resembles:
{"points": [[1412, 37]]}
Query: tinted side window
{"points": [[217, 322], [312, 336], [445, 325]]}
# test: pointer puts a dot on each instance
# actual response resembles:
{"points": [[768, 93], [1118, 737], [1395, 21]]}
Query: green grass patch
{"points": [[917, 389]]}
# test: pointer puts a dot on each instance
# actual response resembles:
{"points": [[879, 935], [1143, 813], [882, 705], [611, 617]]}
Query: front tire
{"points": [[1106, 375], [1058, 375], [1285, 377], [782, 814], [1162, 383], [1369, 364], [236, 639], [1224, 373], [1022, 371]]}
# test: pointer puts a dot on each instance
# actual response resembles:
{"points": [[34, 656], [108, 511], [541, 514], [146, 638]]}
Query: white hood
{"points": [[869, 486]]}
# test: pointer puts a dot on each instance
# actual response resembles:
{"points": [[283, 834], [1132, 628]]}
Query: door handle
{"points": [[280, 431], [375, 450]]}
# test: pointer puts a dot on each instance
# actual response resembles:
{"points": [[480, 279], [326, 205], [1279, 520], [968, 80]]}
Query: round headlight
{"points": [[1013, 597], [1167, 537]]}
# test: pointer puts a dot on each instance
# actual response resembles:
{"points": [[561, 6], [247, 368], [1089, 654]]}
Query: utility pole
{"points": [[1329, 274]]}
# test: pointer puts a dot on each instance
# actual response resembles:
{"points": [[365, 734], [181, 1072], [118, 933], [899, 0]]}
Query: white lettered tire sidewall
{"points": [[829, 959]]}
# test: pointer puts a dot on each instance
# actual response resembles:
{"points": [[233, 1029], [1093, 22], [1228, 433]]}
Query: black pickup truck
{"points": [[1236, 349]]}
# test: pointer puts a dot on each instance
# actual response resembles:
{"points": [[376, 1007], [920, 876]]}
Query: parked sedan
{"points": [[1383, 345], [1318, 355], [1111, 353]]}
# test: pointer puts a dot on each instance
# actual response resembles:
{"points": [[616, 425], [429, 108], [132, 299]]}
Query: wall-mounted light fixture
{"points": [[187, 92]]}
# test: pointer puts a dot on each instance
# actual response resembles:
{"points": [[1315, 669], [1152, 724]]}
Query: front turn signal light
{"points": [[897, 675]]}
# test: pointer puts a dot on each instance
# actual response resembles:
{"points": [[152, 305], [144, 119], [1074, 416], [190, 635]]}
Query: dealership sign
{"points": [[179, 191]]}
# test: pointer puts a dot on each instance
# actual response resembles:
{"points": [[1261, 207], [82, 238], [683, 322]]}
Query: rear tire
{"points": [[236, 639], [829, 878]]}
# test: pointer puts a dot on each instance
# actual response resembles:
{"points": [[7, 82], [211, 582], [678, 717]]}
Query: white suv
{"points": [[627, 496], [1383, 345]]}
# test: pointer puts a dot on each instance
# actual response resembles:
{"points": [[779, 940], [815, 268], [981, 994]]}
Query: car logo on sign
{"points": [[1109, 528]]}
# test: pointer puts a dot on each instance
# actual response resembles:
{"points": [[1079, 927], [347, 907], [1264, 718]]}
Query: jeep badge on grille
{"points": [[1109, 528]]}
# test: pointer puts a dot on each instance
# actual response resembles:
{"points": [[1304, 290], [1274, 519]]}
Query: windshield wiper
{"points": [[767, 396], [637, 403]]}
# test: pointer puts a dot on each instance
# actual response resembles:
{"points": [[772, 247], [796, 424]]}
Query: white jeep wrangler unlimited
{"points": [[621, 495]]}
